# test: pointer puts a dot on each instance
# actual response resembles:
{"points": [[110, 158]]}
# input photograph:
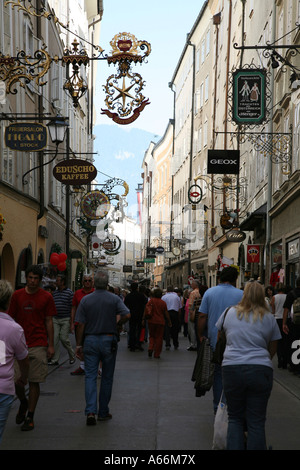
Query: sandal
{"points": [[22, 413]]}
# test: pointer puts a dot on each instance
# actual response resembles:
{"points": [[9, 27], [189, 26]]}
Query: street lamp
{"points": [[57, 129]]}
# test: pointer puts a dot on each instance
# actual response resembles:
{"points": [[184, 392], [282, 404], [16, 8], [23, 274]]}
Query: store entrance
{"points": [[292, 272]]}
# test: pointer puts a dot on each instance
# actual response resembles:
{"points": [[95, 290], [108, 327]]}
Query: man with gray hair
{"points": [[97, 315], [87, 288]]}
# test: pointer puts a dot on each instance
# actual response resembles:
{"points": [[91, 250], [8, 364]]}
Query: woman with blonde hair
{"points": [[251, 338]]}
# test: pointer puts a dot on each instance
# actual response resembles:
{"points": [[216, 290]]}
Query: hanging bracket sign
{"points": [[75, 172], [26, 136], [222, 162], [249, 96]]}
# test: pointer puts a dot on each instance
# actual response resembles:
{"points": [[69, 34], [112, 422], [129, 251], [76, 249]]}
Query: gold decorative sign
{"points": [[124, 98], [124, 90], [24, 68], [95, 205]]}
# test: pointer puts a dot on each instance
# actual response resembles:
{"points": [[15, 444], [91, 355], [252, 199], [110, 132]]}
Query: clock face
{"points": [[176, 251], [95, 205]]}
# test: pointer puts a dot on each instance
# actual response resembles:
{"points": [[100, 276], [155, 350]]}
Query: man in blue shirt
{"points": [[214, 302], [96, 338]]}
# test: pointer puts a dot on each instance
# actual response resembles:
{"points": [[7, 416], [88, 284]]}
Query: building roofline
{"points": [[188, 37]]}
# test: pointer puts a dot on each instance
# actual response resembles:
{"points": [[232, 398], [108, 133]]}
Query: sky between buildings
{"points": [[165, 25]]}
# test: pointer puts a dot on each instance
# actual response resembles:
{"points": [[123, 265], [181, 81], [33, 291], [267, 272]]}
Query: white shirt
{"points": [[172, 300], [279, 300]]}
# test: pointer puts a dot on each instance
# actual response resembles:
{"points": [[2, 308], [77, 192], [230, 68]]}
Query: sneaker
{"points": [[105, 418], [28, 425], [71, 361], [21, 413], [78, 371], [90, 420]]}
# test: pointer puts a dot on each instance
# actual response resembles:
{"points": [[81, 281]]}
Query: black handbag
{"points": [[221, 344]]}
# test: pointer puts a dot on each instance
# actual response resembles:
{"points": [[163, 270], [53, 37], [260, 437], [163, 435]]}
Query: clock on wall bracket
{"points": [[95, 205], [176, 251]]}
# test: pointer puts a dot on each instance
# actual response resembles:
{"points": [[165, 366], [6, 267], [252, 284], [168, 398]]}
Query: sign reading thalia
{"points": [[75, 172], [222, 162]]}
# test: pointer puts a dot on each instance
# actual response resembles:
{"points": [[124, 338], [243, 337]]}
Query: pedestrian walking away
{"points": [[277, 303], [193, 297], [174, 308], [136, 302], [13, 346], [63, 297], [87, 288], [157, 314], [251, 340], [33, 308], [97, 340], [215, 300], [290, 327]]}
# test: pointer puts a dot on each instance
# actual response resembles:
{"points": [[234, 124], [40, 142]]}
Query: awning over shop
{"points": [[254, 219]]}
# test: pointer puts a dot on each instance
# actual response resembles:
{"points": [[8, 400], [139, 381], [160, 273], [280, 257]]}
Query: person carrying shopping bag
{"points": [[251, 340]]}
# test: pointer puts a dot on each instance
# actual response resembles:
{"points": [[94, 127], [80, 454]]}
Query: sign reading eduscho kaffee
{"points": [[75, 172], [26, 136]]}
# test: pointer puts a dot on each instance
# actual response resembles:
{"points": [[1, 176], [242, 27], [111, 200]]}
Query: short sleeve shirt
{"points": [[12, 346], [215, 300], [31, 311], [247, 341], [99, 310], [78, 295]]}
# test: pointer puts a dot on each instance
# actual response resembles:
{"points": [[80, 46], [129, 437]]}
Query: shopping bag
{"points": [[220, 427], [142, 335]]}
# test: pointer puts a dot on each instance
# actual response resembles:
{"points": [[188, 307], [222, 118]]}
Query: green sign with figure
{"points": [[249, 96]]}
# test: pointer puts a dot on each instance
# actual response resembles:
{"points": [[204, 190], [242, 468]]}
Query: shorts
{"points": [[38, 364]]}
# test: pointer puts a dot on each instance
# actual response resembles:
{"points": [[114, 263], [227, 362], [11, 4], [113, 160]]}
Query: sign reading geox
{"points": [[222, 162]]}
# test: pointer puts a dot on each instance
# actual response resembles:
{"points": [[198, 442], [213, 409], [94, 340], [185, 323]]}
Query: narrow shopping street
{"points": [[153, 405]]}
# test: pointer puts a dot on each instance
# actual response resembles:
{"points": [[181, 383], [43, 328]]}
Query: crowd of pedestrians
{"points": [[257, 318]]}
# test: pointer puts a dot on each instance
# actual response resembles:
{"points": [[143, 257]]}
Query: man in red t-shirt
{"points": [[33, 309], [87, 288]]}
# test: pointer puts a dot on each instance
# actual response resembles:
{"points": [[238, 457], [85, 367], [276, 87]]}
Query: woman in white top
{"points": [[277, 310], [251, 338]]}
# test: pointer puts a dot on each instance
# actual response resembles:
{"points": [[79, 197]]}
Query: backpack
{"points": [[296, 311]]}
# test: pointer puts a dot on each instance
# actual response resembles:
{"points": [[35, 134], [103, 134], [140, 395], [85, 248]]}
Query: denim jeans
{"points": [[247, 389], [99, 348], [5, 405]]}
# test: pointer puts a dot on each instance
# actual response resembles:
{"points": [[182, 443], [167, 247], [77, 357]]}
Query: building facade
{"points": [[247, 218], [40, 212]]}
